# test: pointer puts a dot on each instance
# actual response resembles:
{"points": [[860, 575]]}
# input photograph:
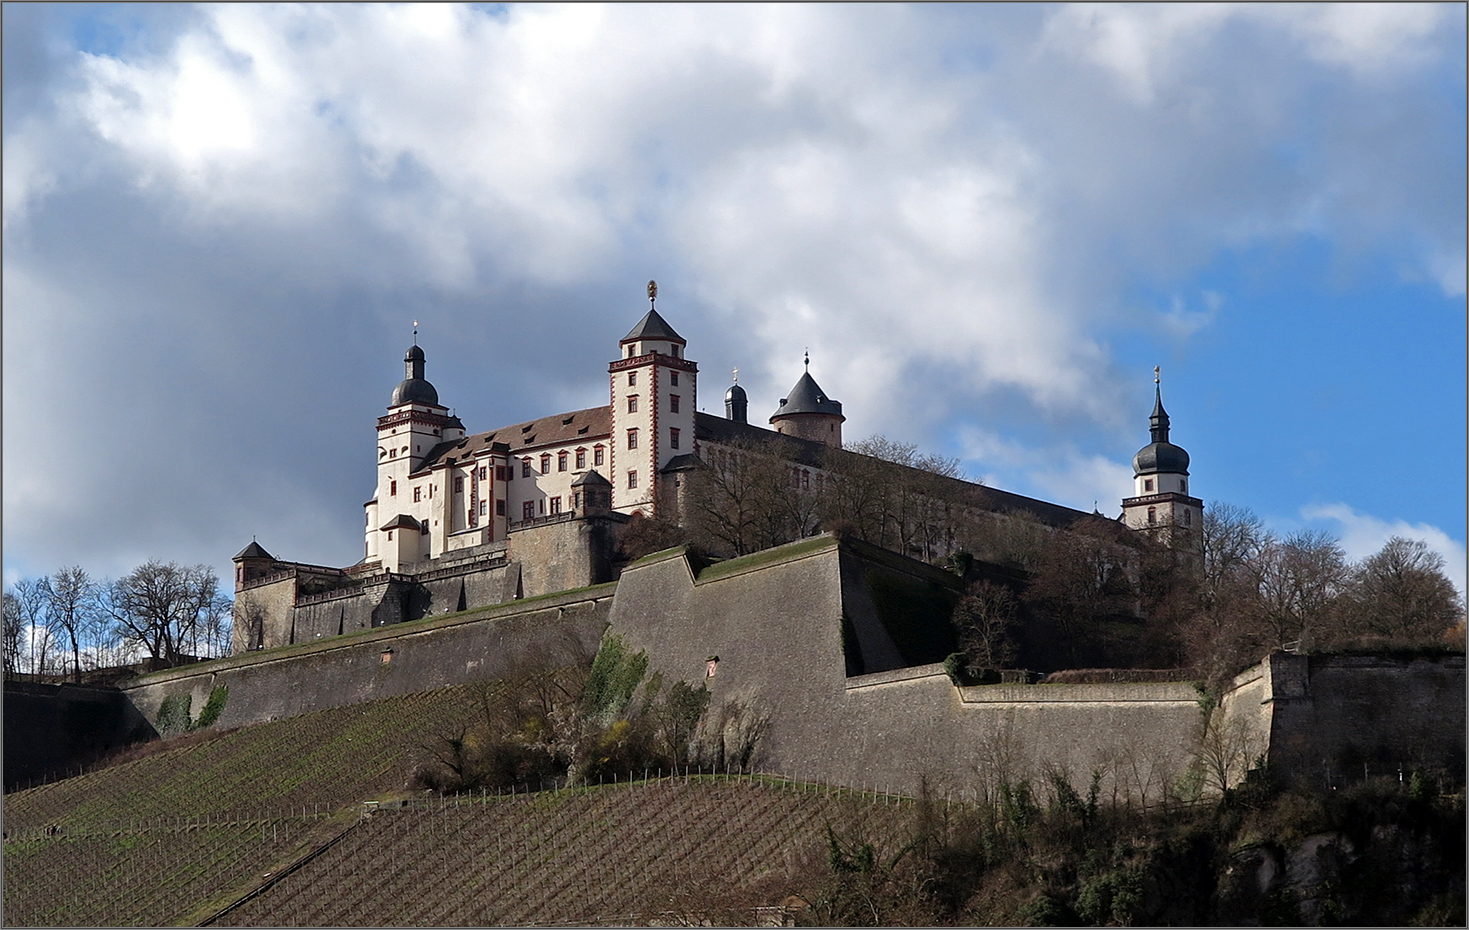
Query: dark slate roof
{"points": [[591, 424], [807, 397], [654, 326], [414, 391], [253, 551], [1159, 457], [402, 522], [592, 479], [735, 392], [682, 463], [710, 428]]}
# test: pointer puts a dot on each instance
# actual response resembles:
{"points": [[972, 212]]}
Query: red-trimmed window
{"points": [[672, 438], [561, 461], [673, 403], [597, 454], [673, 378], [581, 458], [556, 504], [632, 479], [632, 439], [545, 463], [632, 377], [525, 471], [392, 488], [632, 403]]}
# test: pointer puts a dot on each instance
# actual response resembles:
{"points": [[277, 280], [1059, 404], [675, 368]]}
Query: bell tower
{"points": [[1161, 504], [654, 396], [414, 424]]}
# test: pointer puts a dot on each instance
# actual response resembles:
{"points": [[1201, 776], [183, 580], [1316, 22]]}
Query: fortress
{"points": [[492, 553], [459, 521]]}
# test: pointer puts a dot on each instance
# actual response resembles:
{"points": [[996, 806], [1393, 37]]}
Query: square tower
{"points": [[653, 390]]}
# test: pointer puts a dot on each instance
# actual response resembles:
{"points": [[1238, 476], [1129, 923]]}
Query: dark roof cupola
{"points": [[736, 403], [413, 389], [1159, 456]]}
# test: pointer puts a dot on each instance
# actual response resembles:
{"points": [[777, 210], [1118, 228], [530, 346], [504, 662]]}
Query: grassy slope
{"points": [[178, 835]]}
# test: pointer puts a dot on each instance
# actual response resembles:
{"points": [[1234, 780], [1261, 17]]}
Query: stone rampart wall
{"points": [[399, 659], [51, 727], [775, 622]]}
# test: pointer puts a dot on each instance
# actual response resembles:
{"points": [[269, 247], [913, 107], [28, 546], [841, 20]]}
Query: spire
{"points": [[1158, 422]]}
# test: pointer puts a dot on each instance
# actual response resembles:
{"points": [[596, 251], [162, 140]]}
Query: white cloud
{"points": [[1059, 473], [1363, 535], [941, 237]]}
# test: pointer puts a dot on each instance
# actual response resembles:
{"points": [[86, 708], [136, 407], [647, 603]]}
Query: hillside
{"points": [[305, 822], [267, 825]]}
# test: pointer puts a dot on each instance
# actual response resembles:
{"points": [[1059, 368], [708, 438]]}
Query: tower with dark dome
{"points": [[1161, 503], [415, 423], [808, 413], [736, 404]]}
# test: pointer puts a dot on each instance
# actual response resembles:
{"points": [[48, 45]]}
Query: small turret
{"points": [[736, 404], [1160, 479], [807, 413]]}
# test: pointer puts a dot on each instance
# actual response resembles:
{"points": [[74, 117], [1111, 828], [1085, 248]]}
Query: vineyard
{"points": [[305, 822]]}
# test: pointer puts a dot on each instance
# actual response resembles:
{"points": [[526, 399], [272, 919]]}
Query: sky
{"points": [[987, 224]]}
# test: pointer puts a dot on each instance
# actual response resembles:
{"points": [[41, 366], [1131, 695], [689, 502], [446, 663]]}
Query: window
{"points": [[459, 484], [632, 379], [632, 439], [673, 378], [1183, 485], [392, 489], [673, 403], [390, 535], [1188, 518], [672, 438], [1152, 516], [499, 508], [481, 473], [581, 458], [674, 350], [632, 403], [632, 479], [545, 463], [1148, 484], [525, 467], [502, 473], [556, 504], [528, 510], [629, 351], [561, 461], [543, 505], [417, 493], [483, 508], [597, 455]]}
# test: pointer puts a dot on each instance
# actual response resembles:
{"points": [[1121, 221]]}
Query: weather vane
{"points": [[736, 376], [652, 293], [415, 332]]}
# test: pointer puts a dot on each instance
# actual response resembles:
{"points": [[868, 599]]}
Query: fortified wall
{"points": [[281, 603], [404, 658], [825, 655]]}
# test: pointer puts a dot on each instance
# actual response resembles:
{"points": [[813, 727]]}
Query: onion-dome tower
{"points": [[736, 404], [1161, 503]]}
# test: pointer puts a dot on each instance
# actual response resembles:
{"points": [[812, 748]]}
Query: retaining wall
{"points": [[398, 659]]}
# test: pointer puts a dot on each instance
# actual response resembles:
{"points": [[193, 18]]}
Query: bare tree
{"points": [[1402, 593], [160, 606], [30, 602], [750, 496], [1298, 581], [71, 604], [985, 618], [14, 633]]}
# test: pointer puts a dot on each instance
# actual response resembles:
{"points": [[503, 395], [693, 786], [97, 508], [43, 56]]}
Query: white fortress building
{"points": [[461, 520]]}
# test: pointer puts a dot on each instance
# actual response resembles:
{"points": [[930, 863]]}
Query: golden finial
{"points": [[652, 292]]}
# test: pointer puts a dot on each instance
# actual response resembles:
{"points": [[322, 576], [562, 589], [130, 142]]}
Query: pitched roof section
{"points": [[592, 479], [591, 424], [808, 397], [710, 428], [253, 551], [653, 326]]}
